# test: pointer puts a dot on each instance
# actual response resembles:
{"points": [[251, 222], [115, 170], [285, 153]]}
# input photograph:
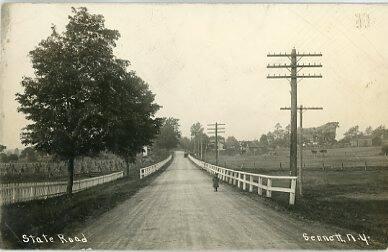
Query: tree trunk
{"points": [[70, 173], [127, 163]]}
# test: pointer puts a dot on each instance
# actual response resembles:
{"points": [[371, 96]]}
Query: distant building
{"points": [[146, 151], [361, 141], [250, 147], [221, 146]]}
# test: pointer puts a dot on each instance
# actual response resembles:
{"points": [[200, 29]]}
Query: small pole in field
{"points": [[301, 109]]}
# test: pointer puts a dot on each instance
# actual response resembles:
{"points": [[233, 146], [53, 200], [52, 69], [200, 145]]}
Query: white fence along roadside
{"points": [[11, 193], [250, 180], [18, 192], [144, 172]]}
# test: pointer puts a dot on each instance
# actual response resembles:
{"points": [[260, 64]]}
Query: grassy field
{"points": [[351, 197], [53, 215], [334, 159]]}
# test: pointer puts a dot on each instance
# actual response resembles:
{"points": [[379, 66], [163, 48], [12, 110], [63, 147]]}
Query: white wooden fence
{"points": [[17, 192], [250, 180], [144, 172]]}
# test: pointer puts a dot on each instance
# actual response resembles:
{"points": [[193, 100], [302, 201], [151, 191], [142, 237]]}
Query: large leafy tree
{"points": [[133, 124], [169, 135], [232, 143], [184, 143], [72, 101], [29, 154], [196, 132], [351, 133]]}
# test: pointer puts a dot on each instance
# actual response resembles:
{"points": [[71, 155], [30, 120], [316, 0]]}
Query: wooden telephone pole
{"points": [[300, 170], [216, 130], [294, 67]]}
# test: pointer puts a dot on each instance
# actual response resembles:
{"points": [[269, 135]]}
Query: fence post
{"points": [[292, 193], [244, 182], [259, 188], [365, 166], [269, 185], [250, 183], [31, 192], [238, 179], [13, 193]]}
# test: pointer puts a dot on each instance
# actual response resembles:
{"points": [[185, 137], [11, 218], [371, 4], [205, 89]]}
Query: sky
{"points": [[207, 62]]}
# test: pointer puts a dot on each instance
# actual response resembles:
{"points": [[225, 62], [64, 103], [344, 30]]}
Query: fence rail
{"points": [[144, 172], [248, 180], [11, 193]]}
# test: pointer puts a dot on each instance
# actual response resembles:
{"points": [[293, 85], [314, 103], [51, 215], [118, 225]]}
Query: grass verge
{"points": [[356, 207], [367, 215], [52, 215]]}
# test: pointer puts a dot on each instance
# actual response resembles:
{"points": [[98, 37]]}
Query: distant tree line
{"points": [[320, 137], [377, 135]]}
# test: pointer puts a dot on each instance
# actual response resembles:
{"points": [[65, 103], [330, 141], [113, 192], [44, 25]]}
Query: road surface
{"points": [[179, 210]]}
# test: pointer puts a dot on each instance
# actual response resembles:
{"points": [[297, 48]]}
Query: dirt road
{"points": [[179, 210]]}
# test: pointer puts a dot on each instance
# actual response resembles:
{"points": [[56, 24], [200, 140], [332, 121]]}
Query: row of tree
{"points": [[324, 135], [28, 154], [376, 134], [82, 100]]}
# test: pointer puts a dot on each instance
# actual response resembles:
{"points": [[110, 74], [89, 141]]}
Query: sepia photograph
{"points": [[194, 126]]}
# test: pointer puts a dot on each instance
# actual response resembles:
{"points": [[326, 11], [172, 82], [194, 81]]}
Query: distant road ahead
{"points": [[179, 210]]}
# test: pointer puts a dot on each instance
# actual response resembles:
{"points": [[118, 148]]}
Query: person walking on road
{"points": [[215, 182]]}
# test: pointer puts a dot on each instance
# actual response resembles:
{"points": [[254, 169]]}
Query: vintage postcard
{"points": [[194, 126]]}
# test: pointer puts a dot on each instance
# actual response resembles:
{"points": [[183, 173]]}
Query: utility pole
{"points": [[216, 130], [294, 67], [300, 169]]}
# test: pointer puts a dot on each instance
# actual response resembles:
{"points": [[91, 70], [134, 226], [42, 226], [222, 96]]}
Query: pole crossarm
{"points": [[297, 54], [213, 124], [289, 66], [293, 76], [303, 108]]}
